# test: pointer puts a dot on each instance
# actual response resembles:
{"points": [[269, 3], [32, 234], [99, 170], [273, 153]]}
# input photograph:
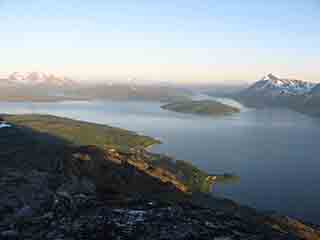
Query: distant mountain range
{"points": [[274, 86], [39, 86], [36, 78], [272, 91]]}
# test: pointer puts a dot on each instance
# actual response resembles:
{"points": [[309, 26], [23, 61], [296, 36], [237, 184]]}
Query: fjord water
{"points": [[274, 151]]}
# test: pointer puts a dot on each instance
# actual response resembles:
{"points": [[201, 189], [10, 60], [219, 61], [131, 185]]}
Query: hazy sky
{"points": [[199, 41]]}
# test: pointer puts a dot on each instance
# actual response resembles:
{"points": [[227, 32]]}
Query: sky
{"points": [[179, 41]]}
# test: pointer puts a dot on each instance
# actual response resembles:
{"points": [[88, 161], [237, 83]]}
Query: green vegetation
{"points": [[79, 132], [227, 178], [40, 140], [196, 179], [188, 174], [193, 177], [204, 107]]}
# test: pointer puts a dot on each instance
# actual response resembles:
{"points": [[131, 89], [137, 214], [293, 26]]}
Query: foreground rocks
{"points": [[34, 206]]}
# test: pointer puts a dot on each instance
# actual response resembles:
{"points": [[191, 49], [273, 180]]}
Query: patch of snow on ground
{"points": [[4, 125]]}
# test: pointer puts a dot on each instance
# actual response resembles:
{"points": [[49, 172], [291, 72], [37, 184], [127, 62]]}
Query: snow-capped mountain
{"points": [[38, 78], [272, 85], [275, 91]]}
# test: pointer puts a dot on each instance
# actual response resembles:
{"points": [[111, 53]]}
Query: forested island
{"points": [[203, 107]]}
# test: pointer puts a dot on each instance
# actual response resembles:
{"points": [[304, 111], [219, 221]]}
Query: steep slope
{"points": [[102, 153]]}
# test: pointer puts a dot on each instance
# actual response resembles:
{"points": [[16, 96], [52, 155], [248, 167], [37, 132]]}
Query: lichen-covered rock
{"points": [[74, 215]]}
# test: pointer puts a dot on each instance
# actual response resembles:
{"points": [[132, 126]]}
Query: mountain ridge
{"points": [[38, 78], [39, 86], [282, 85], [272, 91]]}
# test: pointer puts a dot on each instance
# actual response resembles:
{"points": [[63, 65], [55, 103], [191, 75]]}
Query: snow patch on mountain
{"points": [[275, 85], [38, 78]]}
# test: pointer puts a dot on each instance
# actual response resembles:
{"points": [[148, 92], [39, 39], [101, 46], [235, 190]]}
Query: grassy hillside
{"points": [[205, 107], [79, 132], [45, 142]]}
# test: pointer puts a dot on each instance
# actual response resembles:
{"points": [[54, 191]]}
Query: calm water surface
{"points": [[274, 151]]}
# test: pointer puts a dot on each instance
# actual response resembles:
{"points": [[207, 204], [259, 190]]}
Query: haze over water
{"points": [[274, 151]]}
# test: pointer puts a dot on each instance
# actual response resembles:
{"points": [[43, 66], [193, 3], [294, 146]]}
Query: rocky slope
{"points": [[52, 189], [34, 208]]}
